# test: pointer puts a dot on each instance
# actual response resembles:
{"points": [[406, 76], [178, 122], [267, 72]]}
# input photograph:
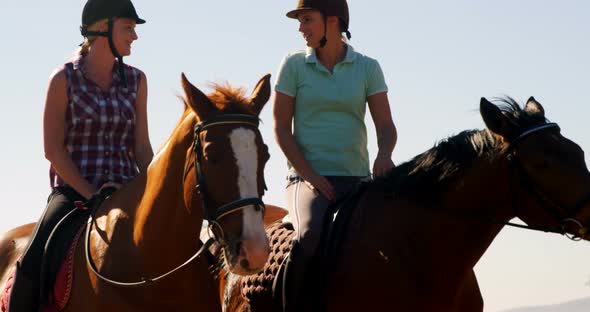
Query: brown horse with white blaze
{"points": [[412, 238], [134, 257]]}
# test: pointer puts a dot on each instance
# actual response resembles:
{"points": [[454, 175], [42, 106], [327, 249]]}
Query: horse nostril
{"points": [[245, 264], [238, 248]]}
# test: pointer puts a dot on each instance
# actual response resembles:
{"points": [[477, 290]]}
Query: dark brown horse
{"points": [[151, 226], [412, 238]]}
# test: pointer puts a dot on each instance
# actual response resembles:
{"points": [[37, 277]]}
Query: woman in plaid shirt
{"points": [[95, 128]]}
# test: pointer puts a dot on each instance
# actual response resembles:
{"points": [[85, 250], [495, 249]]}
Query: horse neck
{"points": [[468, 214], [164, 223]]}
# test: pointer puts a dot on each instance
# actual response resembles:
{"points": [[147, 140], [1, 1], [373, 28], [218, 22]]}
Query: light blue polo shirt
{"points": [[330, 109]]}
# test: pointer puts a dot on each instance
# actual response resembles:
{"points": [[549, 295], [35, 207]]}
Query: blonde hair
{"points": [[87, 44]]}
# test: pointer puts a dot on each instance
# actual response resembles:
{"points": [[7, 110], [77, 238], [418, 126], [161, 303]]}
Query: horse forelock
{"points": [[229, 99], [519, 117]]}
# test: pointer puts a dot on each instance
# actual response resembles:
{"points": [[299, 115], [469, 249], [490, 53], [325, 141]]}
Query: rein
{"points": [[212, 218]]}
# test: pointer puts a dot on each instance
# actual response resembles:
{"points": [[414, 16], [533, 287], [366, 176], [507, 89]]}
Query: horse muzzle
{"points": [[247, 256]]}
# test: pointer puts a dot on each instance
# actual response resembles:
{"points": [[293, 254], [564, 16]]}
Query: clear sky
{"points": [[439, 58]]}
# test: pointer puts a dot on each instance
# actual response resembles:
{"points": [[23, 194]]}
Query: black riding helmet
{"points": [[96, 10], [337, 8]]}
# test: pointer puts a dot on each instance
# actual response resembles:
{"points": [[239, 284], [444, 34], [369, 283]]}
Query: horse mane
{"points": [[434, 170]]}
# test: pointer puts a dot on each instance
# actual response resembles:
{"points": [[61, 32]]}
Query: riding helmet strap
{"points": [[324, 38], [116, 53], [109, 35]]}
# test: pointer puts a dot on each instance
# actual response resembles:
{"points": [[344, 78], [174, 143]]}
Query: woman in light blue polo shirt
{"points": [[320, 104]]}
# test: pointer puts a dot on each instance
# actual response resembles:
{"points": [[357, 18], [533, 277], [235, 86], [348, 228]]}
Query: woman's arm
{"points": [[386, 132], [56, 103], [283, 117], [143, 149]]}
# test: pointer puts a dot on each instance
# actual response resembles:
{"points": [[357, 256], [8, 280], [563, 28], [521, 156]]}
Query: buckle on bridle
{"points": [[582, 231], [211, 233]]}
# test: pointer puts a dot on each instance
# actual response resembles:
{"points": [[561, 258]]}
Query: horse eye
{"points": [[211, 153], [541, 163]]}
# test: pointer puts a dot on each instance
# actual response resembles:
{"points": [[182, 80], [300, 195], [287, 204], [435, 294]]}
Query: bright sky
{"points": [[439, 58]]}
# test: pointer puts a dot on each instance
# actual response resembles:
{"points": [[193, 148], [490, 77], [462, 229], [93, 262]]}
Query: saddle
{"points": [[58, 259], [57, 263]]}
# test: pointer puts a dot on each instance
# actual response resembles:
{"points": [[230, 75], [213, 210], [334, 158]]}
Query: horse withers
{"points": [[141, 251], [412, 238]]}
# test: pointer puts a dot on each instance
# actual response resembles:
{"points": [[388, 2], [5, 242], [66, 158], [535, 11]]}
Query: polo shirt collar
{"points": [[310, 55]]}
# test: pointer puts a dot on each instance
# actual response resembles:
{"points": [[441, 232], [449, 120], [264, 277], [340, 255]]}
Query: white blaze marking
{"points": [[243, 142]]}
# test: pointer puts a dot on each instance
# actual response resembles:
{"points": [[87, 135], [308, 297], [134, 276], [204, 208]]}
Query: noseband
{"points": [[228, 208], [533, 189]]}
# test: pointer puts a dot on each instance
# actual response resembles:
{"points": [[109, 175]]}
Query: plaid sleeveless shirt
{"points": [[100, 126]]}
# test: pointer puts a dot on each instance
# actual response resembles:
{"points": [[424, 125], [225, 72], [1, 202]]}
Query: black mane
{"points": [[428, 174]]}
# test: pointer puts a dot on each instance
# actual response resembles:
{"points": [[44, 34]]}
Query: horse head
{"points": [[226, 165], [550, 182]]}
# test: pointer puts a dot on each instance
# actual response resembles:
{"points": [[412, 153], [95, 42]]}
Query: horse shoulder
{"points": [[113, 224]]}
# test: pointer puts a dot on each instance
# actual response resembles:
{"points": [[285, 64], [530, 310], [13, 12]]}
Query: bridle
{"points": [[532, 189], [551, 206], [213, 216], [201, 188]]}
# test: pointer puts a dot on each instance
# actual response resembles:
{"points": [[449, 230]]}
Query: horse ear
{"points": [[260, 95], [494, 119], [534, 108], [197, 100]]}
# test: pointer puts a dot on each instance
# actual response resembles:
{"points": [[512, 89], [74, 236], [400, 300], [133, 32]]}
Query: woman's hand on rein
{"points": [[382, 166], [319, 183], [107, 186]]}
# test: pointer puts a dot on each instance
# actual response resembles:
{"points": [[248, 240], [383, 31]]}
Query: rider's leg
{"points": [[307, 208], [25, 295]]}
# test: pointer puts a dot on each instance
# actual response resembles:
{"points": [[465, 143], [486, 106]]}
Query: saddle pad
{"points": [[260, 285], [61, 290], [6, 291]]}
